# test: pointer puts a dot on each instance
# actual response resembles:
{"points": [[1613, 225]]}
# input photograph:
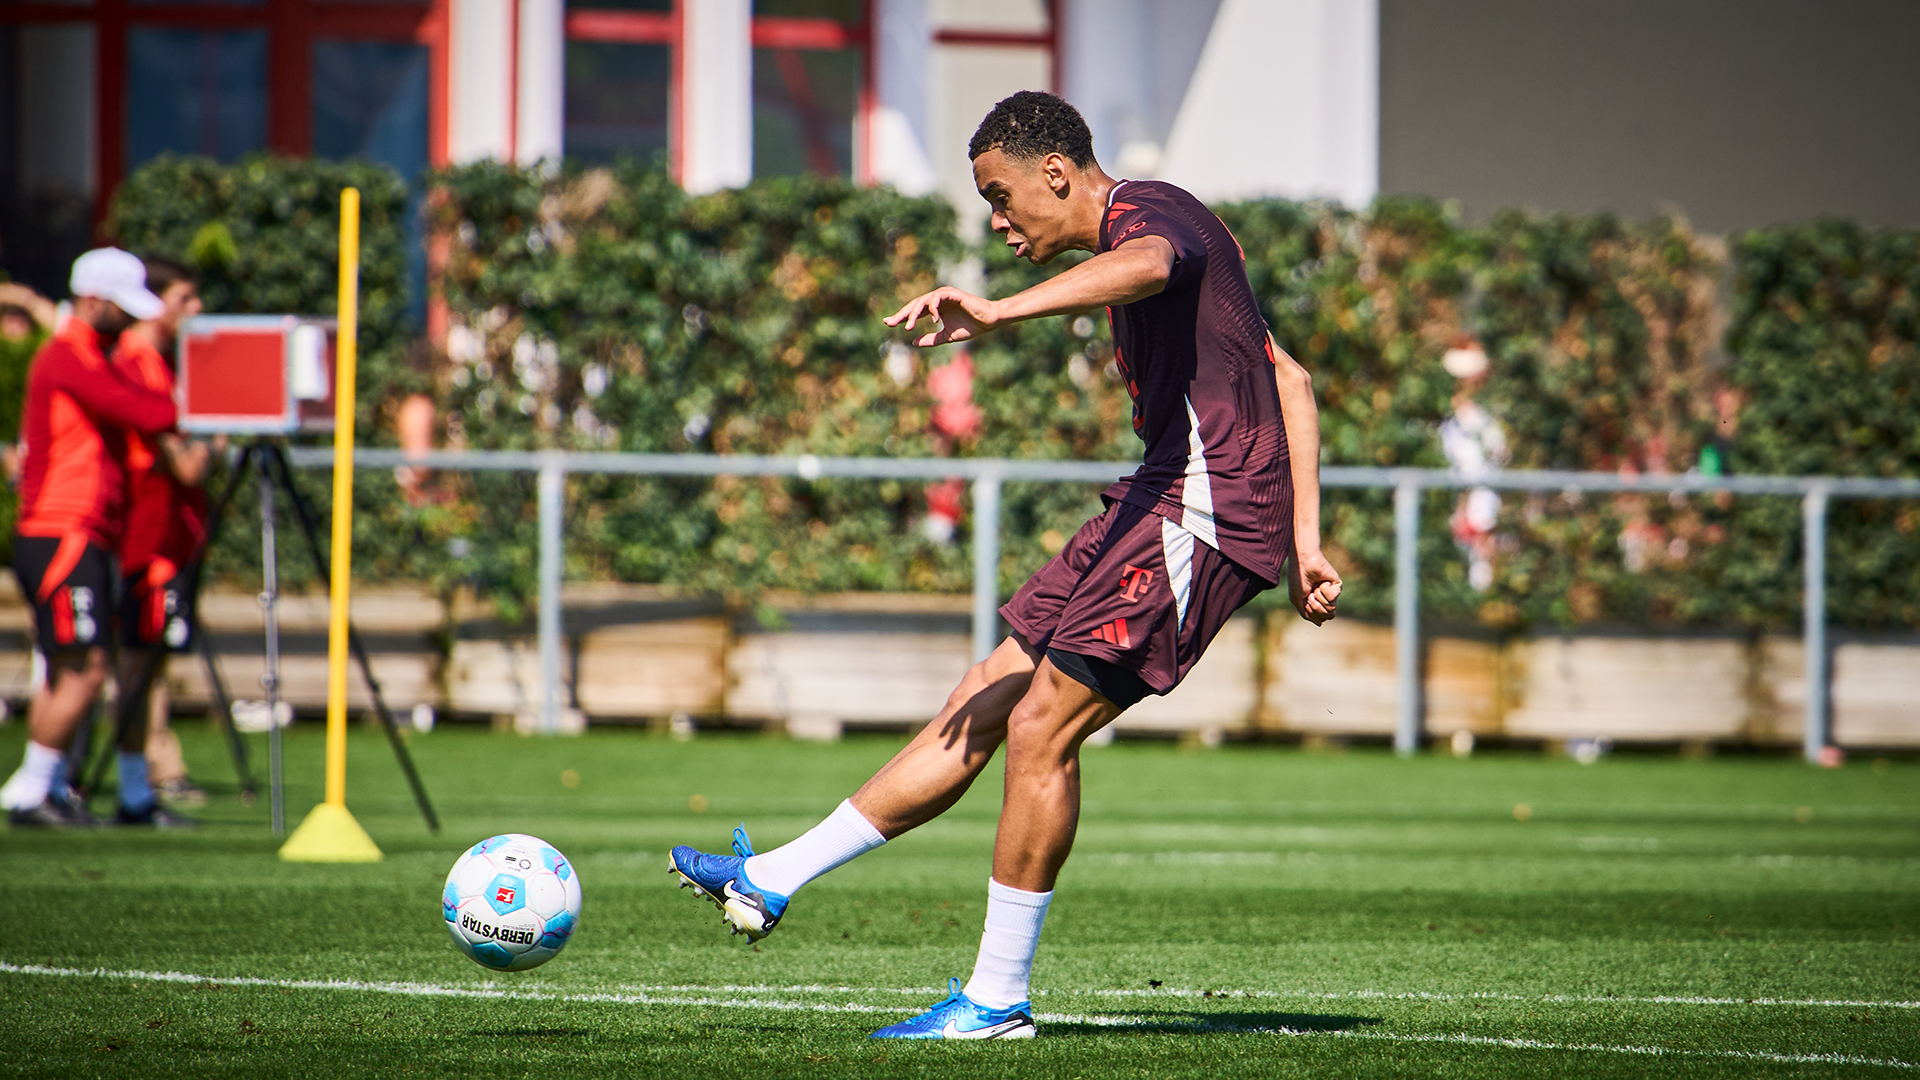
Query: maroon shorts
{"points": [[1136, 591]]}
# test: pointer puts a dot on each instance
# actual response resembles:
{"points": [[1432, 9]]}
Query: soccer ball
{"points": [[511, 902]]}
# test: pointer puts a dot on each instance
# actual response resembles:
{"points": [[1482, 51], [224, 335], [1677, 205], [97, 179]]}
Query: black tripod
{"points": [[274, 475]]}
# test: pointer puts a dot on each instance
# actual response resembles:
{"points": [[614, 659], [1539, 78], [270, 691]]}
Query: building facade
{"points": [[1733, 112], [722, 91]]}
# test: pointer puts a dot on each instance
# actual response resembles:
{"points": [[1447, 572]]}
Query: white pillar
{"points": [[1285, 101], [1128, 64], [716, 141], [480, 99], [543, 80], [903, 39]]}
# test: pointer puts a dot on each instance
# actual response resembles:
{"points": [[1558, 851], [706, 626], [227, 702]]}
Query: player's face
{"points": [[1029, 200], [182, 300], [106, 317]]}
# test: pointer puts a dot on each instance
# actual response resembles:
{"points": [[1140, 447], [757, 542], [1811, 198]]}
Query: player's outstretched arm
{"points": [[1312, 583], [114, 397], [1133, 271]]}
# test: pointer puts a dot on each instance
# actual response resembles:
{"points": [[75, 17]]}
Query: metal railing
{"points": [[988, 474]]}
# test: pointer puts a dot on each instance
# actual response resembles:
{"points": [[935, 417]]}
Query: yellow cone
{"points": [[330, 834]]}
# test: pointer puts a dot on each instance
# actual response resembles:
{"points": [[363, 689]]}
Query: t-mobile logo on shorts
{"points": [[1134, 581]]}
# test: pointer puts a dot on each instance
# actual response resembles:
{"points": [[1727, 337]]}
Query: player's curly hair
{"points": [[1030, 125]]}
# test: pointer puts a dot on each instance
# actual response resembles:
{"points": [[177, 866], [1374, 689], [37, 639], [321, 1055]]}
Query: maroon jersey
{"points": [[1200, 371]]}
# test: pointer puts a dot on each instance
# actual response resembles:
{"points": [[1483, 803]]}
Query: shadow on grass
{"points": [[1211, 1023]]}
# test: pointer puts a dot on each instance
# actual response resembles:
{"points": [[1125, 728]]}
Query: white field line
{"points": [[1564, 999], [413, 989], [1297, 995], [539, 992]]}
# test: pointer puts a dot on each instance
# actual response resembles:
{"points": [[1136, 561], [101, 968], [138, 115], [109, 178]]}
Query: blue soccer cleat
{"points": [[722, 879], [960, 1017]]}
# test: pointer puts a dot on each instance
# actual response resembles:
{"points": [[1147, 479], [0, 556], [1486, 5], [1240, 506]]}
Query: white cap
{"points": [[119, 276]]}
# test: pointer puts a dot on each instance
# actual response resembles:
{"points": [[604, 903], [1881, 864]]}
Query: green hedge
{"points": [[1826, 328], [263, 234], [608, 310], [1599, 333]]}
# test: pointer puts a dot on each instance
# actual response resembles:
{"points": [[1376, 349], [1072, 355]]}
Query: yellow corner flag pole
{"points": [[330, 834]]}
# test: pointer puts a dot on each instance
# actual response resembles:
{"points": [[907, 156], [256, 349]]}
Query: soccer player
{"points": [[166, 522], [71, 493], [1224, 505]]}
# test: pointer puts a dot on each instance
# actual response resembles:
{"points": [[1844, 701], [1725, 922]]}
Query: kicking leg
{"points": [[921, 782], [926, 778]]}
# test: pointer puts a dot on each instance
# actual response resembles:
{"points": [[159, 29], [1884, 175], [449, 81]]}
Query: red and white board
{"points": [[256, 374]]}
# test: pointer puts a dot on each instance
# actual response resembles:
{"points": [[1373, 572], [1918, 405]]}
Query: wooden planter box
{"points": [[874, 660]]}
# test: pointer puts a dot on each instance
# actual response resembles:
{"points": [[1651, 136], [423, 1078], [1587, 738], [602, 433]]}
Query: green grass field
{"points": [[1248, 911]]}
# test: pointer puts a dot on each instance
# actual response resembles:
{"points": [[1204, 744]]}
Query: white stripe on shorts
{"points": [[1176, 544]]}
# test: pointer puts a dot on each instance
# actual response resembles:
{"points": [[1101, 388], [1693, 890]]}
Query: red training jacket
{"points": [[73, 438]]}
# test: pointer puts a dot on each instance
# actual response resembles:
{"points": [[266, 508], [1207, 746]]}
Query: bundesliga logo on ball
{"points": [[512, 902]]}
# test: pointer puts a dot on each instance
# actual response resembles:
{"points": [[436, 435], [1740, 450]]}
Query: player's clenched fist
{"points": [[1314, 587]]}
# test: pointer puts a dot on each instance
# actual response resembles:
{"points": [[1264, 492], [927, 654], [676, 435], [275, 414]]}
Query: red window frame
{"points": [[641, 28], [1051, 39], [769, 32], [291, 26]]}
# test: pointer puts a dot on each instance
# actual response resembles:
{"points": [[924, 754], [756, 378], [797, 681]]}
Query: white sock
{"points": [[840, 839], [28, 786], [1014, 917]]}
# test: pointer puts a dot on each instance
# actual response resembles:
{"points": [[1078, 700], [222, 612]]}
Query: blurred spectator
{"points": [[166, 525], [413, 424], [1716, 454], [945, 501], [77, 410], [1475, 445], [955, 417], [26, 321]]}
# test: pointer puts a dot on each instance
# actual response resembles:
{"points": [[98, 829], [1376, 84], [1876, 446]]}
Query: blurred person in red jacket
{"points": [[166, 525], [78, 409]]}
